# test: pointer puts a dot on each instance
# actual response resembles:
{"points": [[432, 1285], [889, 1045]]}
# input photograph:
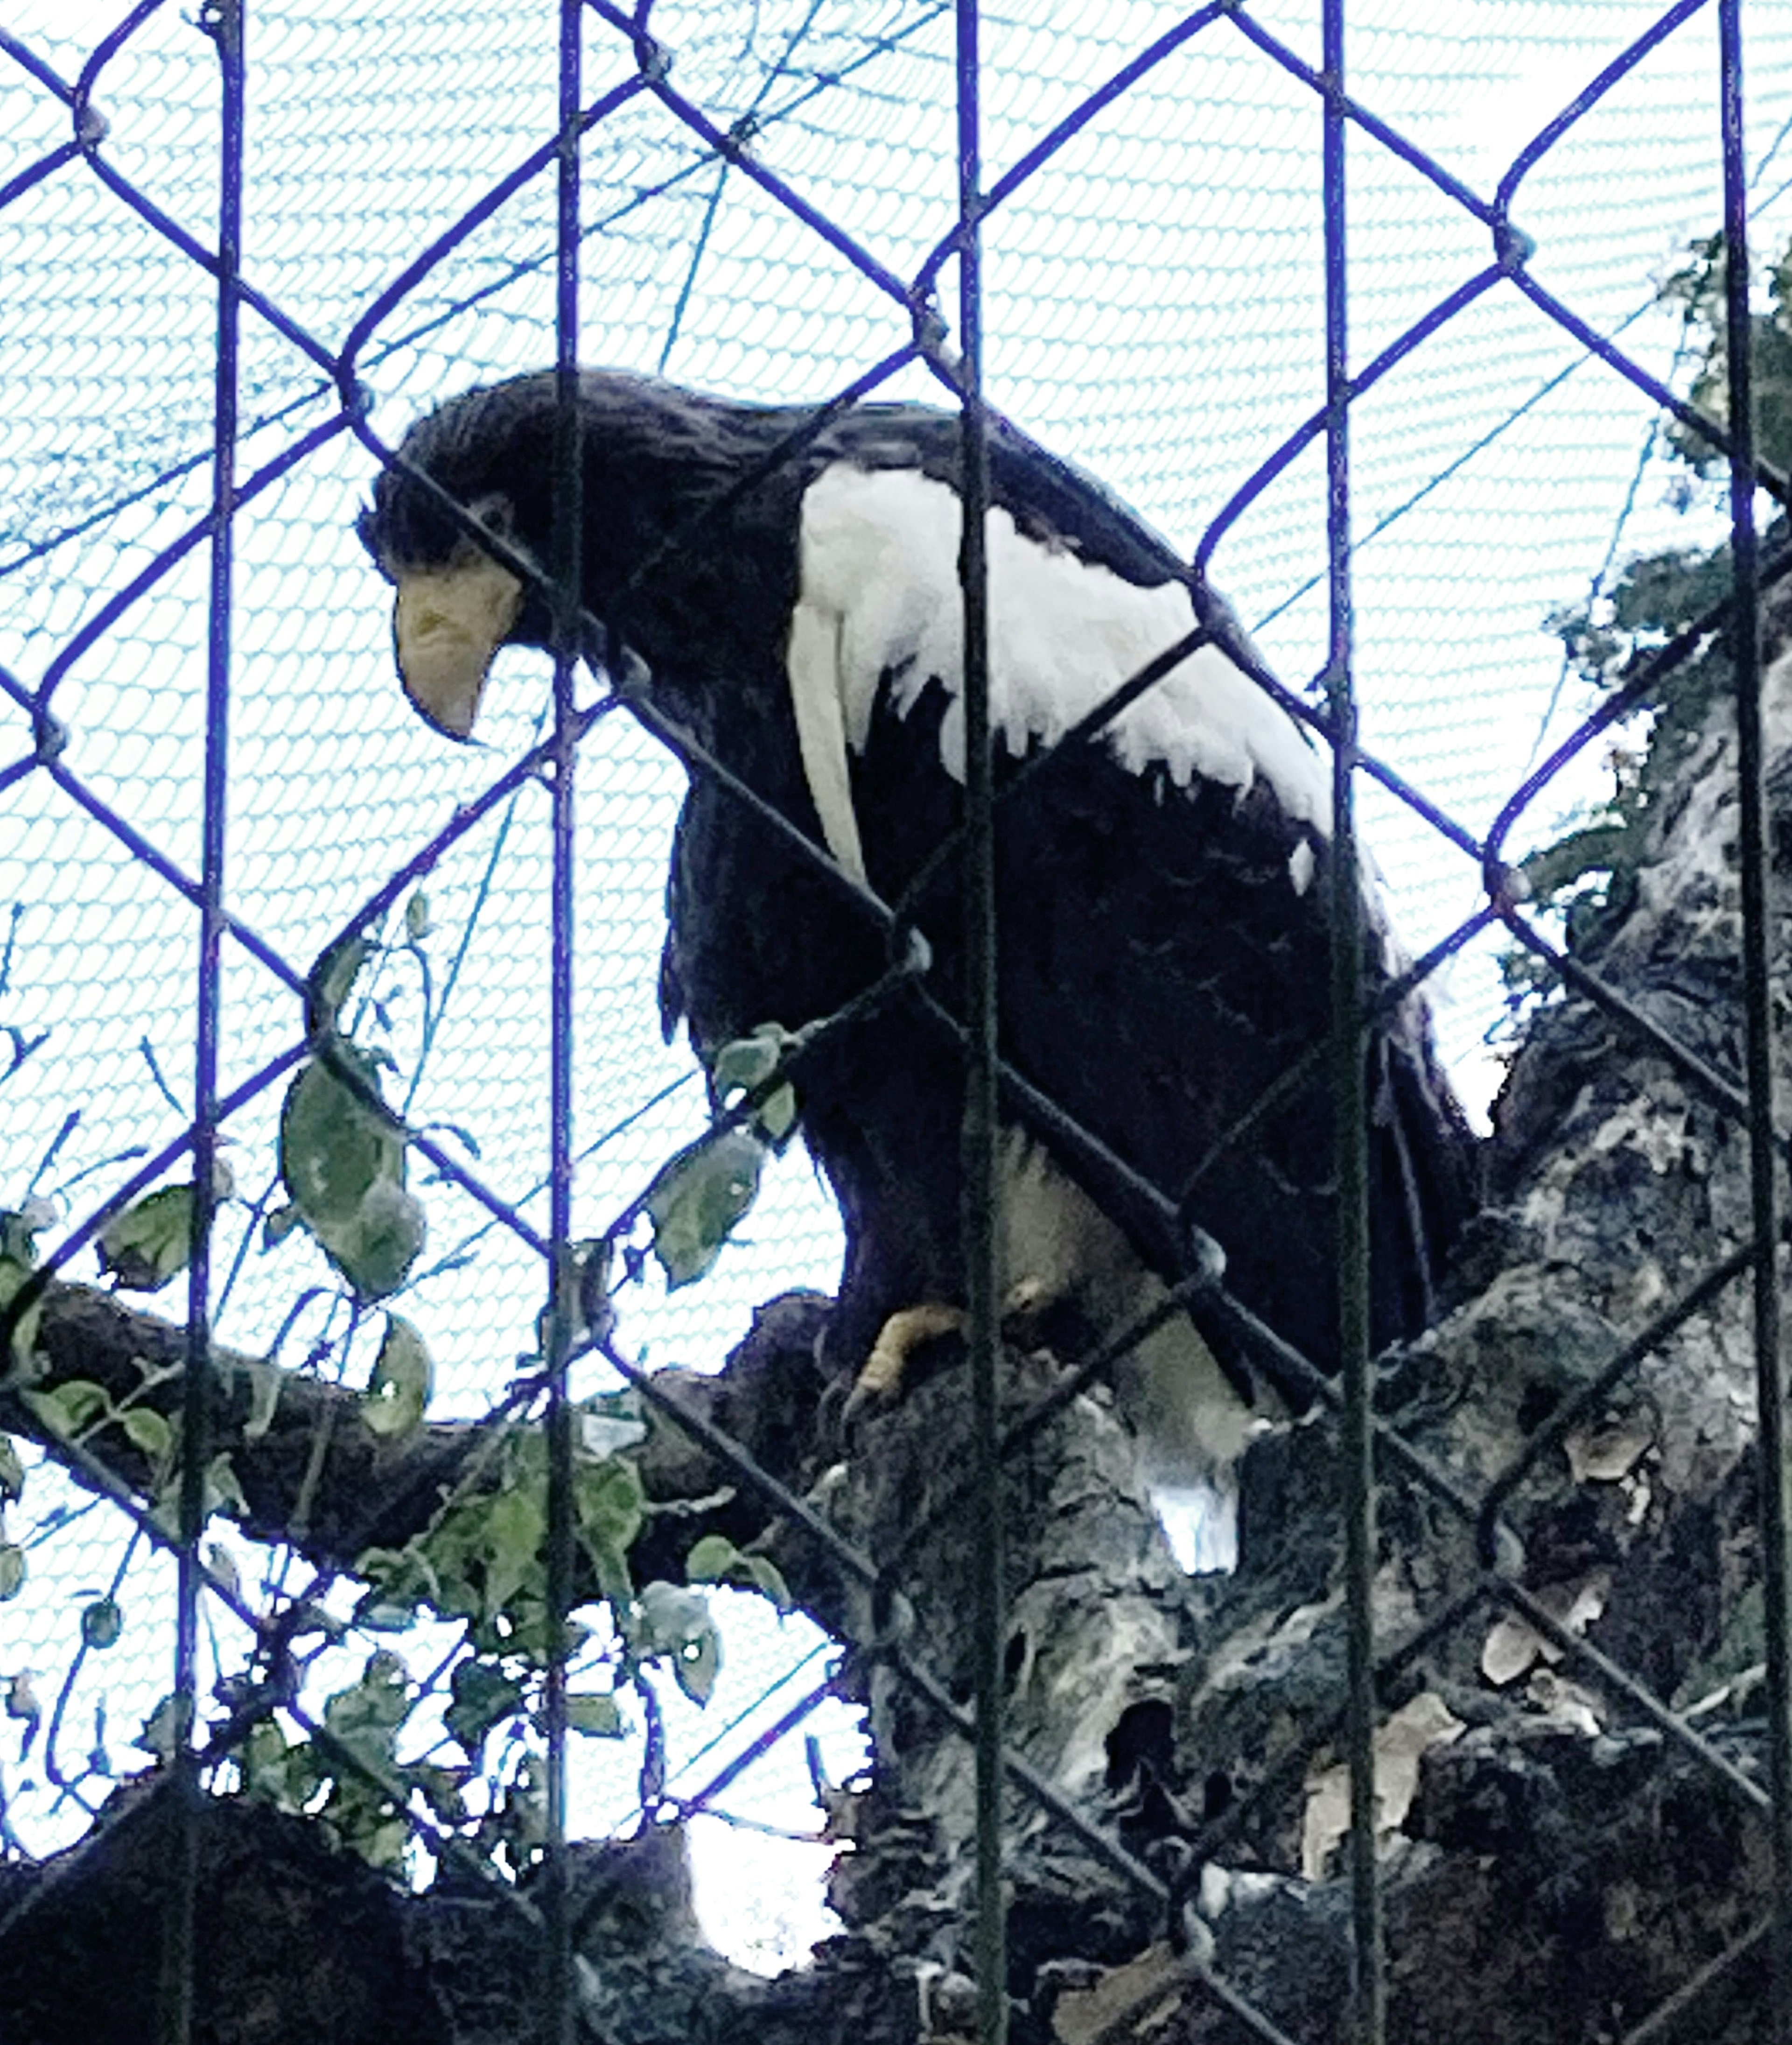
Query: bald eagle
{"points": [[1162, 880]]}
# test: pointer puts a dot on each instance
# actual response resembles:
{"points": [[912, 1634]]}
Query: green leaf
{"points": [[710, 1559], [696, 1665], [18, 1231], [716, 1560], [417, 924], [12, 1471], [332, 979], [149, 1430], [143, 1247], [14, 1270], [516, 1523], [777, 1114], [483, 1697], [343, 1163], [697, 1198], [399, 1580], [262, 1757], [284, 1774], [222, 1565], [677, 1623], [757, 1573], [596, 1712], [740, 1066], [609, 1505], [443, 1790], [366, 1717], [333, 1144], [70, 1407], [383, 1845], [279, 1225], [12, 1571], [376, 1252], [102, 1623], [222, 1489], [163, 1729], [610, 1422], [403, 1376], [749, 1061]]}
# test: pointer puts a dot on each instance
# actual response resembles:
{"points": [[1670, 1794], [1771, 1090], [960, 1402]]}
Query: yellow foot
{"points": [[879, 1384]]}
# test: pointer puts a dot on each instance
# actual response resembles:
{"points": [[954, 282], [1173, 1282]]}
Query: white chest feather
{"points": [[1190, 1423]]}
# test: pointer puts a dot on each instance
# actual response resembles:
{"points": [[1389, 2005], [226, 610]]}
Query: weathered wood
{"points": [[1556, 1867]]}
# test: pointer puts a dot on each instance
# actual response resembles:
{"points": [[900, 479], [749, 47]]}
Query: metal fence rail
{"points": [[956, 362]]}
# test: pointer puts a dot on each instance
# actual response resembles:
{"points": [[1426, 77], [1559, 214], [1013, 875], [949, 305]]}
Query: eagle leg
{"points": [[879, 1382]]}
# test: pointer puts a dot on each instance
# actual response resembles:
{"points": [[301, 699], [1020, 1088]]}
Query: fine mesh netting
{"points": [[1154, 304]]}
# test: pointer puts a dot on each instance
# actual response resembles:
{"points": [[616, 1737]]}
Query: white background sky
{"points": [[1154, 312]]}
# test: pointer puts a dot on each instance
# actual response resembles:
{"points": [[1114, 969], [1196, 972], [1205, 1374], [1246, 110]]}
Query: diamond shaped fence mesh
{"points": [[244, 250]]}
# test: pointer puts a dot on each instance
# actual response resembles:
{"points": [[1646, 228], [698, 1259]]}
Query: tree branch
{"points": [[368, 1490]]}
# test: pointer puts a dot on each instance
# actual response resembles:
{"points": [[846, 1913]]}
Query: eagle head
{"points": [[455, 601], [653, 458]]}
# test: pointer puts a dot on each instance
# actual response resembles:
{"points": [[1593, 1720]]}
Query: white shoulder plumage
{"points": [[878, 570]]}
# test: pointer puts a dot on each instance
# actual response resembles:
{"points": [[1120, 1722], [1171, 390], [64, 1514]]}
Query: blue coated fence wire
{"points": [[1754, 849], [222, 21], [1350, 1103], [725, 149], [559, 1989], [982, 1193]]}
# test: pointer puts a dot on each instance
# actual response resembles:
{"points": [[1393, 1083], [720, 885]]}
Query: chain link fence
{"points": [[756, 188]]}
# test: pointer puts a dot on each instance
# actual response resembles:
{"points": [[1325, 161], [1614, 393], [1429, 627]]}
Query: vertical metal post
{"points": [[557, 1986], [221, 20], [1776, 1517], [981, 1190], [1348, 1087]]}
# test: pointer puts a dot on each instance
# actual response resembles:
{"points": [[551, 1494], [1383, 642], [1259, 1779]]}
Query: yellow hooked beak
{"points": [[447, 623]]}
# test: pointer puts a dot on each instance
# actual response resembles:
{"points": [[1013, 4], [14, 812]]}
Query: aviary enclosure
{"points": [[354, 1206]]}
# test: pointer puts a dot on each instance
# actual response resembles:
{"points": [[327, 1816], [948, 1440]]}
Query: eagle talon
{"points": [[879, 1385], [882, 1381], [1024, 1306]]}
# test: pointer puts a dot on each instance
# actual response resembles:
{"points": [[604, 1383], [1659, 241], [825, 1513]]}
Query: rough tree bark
{"points": [[1555, 1865]]}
